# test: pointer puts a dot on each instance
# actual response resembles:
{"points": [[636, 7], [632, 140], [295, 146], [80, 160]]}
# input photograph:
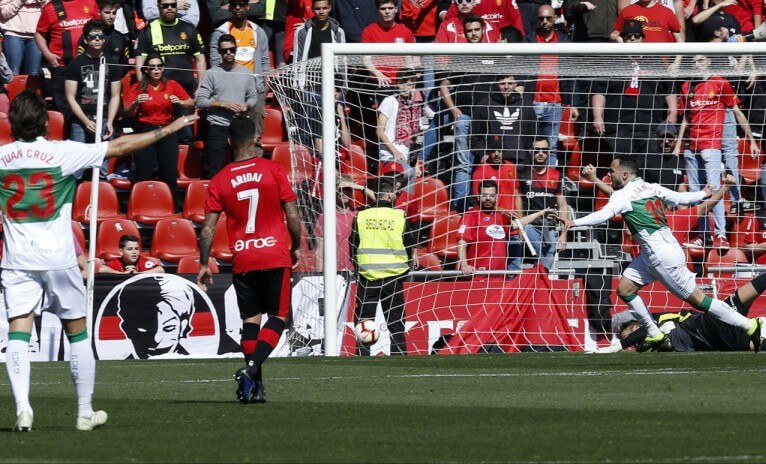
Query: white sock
{"points": [[639, 310], [728, 315], [82, 366], [17, 363]]}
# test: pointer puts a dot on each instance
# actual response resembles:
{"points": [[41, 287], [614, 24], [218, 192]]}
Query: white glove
{"points": [[615, 347]]}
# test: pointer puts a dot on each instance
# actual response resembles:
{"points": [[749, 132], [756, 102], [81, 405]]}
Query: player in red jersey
{"points": [[255, 195]]}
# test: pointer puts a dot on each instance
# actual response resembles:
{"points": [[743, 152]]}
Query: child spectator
{"points": [[131, 261]]}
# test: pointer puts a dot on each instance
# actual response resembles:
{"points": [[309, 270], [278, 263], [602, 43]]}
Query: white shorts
{"points": [[672, 272], [60, 291]]}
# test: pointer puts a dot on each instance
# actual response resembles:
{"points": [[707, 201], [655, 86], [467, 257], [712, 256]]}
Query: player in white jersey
{"points": [[642, 206], [39, 266]]}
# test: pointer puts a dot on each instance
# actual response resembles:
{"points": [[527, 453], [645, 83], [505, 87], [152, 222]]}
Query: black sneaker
{"points": [[244, 385]]}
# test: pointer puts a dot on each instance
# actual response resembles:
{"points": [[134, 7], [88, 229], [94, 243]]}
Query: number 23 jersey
{"points": [[251, 193], [37, 181]]}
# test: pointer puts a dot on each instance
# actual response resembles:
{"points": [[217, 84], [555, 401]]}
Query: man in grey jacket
{"points": [[252, 53], [226, 91]]}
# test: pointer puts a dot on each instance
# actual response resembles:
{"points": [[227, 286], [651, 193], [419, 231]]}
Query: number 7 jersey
{"points": [[251, 193], [38, 181]]}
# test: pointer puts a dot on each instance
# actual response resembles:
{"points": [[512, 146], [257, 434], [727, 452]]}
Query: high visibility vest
{"points": [[381, 252], [269, 14]]}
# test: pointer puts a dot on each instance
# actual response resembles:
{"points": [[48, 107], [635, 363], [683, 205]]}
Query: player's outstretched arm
{"points": [[130, 143]]}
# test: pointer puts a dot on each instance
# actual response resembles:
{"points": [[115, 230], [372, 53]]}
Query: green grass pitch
{"points": [[553, 408]]}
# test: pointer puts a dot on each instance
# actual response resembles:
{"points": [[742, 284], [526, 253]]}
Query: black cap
{"points": [[494, 144], [711, 25], [633, 26], [666, 128]]}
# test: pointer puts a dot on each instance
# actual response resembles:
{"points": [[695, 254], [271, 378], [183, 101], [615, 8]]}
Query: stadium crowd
{"points": [[439, 133]]}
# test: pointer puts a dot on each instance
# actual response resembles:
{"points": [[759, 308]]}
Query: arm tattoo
{"points": [[206, 237], [158, 135]]}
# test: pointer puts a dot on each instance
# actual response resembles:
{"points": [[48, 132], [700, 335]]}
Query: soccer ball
{"points": [[366, 332]]}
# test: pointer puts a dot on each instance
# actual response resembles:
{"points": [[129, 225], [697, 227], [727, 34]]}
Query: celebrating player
{"points": [[39, 269], [254, 193], [642, 206]]}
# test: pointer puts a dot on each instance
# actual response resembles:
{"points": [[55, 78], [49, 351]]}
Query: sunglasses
{"points": [[231, 50], [632, 36], [155, 66], [463, 1], [540, 150], [167, 6], [96, 36], [545, 18]]}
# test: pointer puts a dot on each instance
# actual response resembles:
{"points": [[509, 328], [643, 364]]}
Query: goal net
{"points": [[473, 119]]}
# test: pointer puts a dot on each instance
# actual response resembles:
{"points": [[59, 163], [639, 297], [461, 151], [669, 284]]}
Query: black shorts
{"points": [[265, 291]]}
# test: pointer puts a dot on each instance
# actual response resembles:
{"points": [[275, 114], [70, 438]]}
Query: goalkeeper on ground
{"points": [[693, 331]]}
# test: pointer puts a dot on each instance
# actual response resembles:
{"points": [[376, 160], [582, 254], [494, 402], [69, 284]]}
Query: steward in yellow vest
{"points": [[381, 247]]}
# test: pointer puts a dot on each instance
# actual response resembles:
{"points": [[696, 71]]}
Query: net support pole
{"points": [[93, 213], [328, 200]]}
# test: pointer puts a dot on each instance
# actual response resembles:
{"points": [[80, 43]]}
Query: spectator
{"points": [[540, 187], [188, 11], [6, 76], [131, 261], [344, 220], [58, 31], [18, 21], [81, 88], [117, 46], [550, 92], [591, 19], [386, 30], [484, 232], [505, 116], [452, 30], [342, 128], [666, 169], [180, 46], [459, 92], [503, 173], [683, 9], [226, 91], [704, 103], [354, 16], [308, 45], [404, 200], [398, 124], [661, 23], [252, 53], [749, 13], [151, 100], [129, 20], [498, 14], [298, 12], [710, 19], [383, 257], [221, 11], [625, 110], [273, 22]]}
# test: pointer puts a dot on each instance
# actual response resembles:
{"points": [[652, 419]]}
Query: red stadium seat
{"points": [[273, 132], [173, 239], [220, 249], [749, 167], [730, 258], [194, 204], [108, 236], [79, 234], [121, 183], [355, 163], [150, 201], [108, 204], [190, 265], [56, 126], [23, 82], [189, 165], [443, 236], [431, 199], [5, 130], [298, 161]]}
